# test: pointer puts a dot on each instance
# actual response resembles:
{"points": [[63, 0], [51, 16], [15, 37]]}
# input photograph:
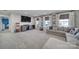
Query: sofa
{"points": [[71, 36], [57, 33]]}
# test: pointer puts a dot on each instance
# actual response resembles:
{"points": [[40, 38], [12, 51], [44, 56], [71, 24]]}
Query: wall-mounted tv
{"points": [[25, 19]]}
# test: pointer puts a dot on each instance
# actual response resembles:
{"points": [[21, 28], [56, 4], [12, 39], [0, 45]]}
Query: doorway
{"points": [[5, 24]]}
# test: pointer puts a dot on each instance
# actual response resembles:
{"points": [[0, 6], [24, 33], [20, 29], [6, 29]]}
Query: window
{"points": [[47, 23], [64, 20], [64, 23]]}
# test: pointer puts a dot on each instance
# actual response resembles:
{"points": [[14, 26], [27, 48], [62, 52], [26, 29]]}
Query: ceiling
{"points": [[30, 12]]}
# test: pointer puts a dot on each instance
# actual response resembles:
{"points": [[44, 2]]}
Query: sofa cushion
{"points": [[60, 28], [57, 33], [67, 29]]}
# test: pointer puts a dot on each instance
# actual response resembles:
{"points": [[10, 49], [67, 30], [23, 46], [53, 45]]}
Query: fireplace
{"points": [[27, 27]]}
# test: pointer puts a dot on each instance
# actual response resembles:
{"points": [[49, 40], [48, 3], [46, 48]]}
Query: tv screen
{"points": [[25, 19]]}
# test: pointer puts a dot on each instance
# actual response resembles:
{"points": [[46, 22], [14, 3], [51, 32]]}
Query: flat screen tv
{"points": [[25, 19]]}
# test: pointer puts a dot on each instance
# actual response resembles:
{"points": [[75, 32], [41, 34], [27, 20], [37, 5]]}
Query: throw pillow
{"points": [[72, 31], [77, 36], [76, 31]]}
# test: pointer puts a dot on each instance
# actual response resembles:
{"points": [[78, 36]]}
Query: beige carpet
{"points": [[32, 39], [54, 43]]}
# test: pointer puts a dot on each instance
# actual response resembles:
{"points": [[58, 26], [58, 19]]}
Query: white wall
{"points": [[38, 23], [32, 21], [77, 18], [17, 19], [13, 20]]}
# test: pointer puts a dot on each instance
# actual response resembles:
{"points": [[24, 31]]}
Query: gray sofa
{"points": [[69, 36]]}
